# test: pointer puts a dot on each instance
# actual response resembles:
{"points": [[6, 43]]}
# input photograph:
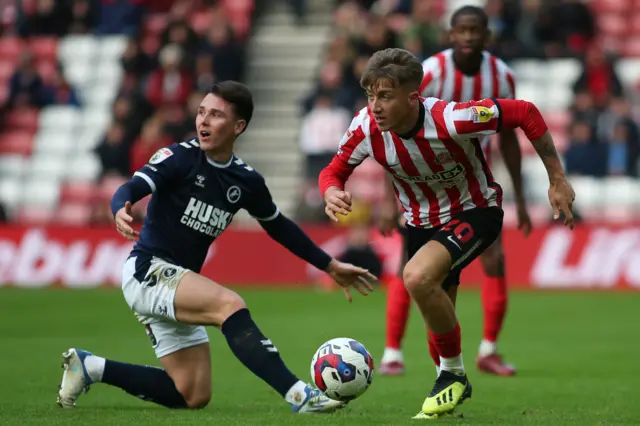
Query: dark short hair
{"points": [[238, 95], [476, 11], [398, 66]]}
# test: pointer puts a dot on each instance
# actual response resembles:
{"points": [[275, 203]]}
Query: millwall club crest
{"points": [[233, 194]]}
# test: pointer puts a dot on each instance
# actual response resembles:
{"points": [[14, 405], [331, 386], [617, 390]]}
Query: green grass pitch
{"points": [[578, 356]]}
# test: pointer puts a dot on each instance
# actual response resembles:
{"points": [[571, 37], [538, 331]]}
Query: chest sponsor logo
{"points": [[205, 218], [447, 178]]}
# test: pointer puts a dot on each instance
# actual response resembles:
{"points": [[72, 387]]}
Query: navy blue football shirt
{"points": [[194, 200]]}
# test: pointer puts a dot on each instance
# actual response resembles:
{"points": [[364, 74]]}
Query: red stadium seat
{"points": [[44, 48], [109, 185], [46, 69], [632, 47], [602, 6], [4, 93], [613, 24], [7, 67], [16, 142], [22, 119], [35, 215], [74, 214], [10, 48], [79, 192]]}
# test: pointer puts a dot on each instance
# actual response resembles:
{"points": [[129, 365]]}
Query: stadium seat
{"points": [[13, 165], [58, 142], [629, 71], [100, 96], [44, 48], [48, 167], [59, 117], [16, 142], [84, 167], [76, 214], [564, 71], [35, 215], [10, 48], [109, 74], [7, 67], [537, 179], [22, 119], [109, 185], [112, 47], [79, 192], [76, 48], [80, 75], [621, 191], [10, 192], [96, 118], [88, 138], [589, 191], [40, 192]]}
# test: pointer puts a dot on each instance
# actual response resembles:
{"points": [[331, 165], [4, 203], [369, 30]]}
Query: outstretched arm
{"points": [[287, 233]]}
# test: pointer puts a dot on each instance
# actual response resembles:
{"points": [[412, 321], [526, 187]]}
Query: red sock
{"points": [[448, 345], [398, 304], [494, 305], [435, 356]]}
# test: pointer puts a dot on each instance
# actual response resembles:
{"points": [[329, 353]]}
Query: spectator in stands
{"points": [[118, 17], [424, 36], [151, 139], [178, 32], [131, 117], [25, 85], [585, 155], [583, 108], [616, 127], [331, 82], [113, 151], [58, 91], [350, 19], [575, 22], [598, 77], [135, 61], [83, 17], [171, 84], [220, 57], [49, 19]]}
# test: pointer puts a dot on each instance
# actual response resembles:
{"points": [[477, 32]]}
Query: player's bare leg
{"points": [[424, 276], [201, 301], [494, 304], [397, 314]]}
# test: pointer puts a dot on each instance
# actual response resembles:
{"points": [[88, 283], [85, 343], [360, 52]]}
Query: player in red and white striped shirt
{"points": [[450, 200], [463, 73]]}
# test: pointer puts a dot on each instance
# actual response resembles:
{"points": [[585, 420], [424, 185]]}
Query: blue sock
{"points": [[256, 352], [145, 382]]}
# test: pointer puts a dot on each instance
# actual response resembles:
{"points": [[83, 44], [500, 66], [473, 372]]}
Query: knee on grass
{"points": [[196, 396]]}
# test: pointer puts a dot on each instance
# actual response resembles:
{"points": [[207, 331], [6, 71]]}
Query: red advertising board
{"points": [[594, 257]]}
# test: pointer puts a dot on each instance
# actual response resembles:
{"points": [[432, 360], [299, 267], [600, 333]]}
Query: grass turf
{"points": [[578, 359]]}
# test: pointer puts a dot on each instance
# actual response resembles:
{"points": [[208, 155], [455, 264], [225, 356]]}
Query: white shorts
{"points": [[151, 299]]}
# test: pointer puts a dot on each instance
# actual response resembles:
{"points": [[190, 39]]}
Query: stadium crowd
{"points": [[177, 49], [603, 136]]}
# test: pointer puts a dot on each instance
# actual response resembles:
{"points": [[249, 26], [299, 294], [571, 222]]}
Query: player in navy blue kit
{"points": [[198, 186]]}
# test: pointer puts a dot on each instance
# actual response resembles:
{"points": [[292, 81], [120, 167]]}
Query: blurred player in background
{"points": [[464, 73], [197, 187], [450, 200]]}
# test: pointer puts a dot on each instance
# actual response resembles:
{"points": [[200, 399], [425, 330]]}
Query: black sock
{"points": [[257, 352], [145, 382]]}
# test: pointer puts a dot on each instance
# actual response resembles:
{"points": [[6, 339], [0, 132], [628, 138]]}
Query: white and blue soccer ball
{"points": [[342, 368]]}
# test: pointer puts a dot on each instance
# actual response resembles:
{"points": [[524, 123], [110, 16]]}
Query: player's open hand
{"points": [[561, 197], [337, 201], [348, 275], [124, 221], [524, 220]]}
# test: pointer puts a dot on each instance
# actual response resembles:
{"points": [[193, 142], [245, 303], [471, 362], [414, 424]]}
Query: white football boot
{"points": [[316, 402], [75, 379]]}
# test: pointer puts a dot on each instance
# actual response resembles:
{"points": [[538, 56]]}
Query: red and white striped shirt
{"points": [[443, 80], [441, 171]]}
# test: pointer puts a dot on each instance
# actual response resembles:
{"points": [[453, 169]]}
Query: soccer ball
{"points": [[342, 368]]}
